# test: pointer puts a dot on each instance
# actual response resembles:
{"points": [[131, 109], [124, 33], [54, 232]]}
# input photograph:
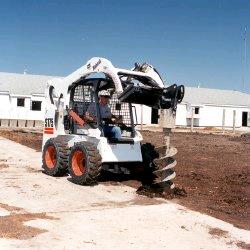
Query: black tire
{"points": [[55, 156], [84, 163]]}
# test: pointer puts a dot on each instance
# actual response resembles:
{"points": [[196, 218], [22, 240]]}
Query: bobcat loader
{"points": [[71, 144]]}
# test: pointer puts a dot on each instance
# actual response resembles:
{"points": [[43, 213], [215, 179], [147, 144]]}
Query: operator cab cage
{"points": [[85, 92]]}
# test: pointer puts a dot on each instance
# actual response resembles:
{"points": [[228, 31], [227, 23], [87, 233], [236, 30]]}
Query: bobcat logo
{"points": [[97, 64]]}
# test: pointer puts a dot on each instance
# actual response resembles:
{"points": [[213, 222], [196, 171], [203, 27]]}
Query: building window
{"points": [[196, 110], [20, 102], [244, 119], [36, 105]]}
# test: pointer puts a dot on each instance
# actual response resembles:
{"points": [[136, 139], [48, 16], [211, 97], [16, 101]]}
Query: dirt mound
{"points": [[166, 194]]}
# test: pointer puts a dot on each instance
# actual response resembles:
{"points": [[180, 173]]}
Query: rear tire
{"points": [[55, 156], [84, 163]]}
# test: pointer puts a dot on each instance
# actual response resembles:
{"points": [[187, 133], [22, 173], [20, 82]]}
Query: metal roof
{"points": [[26, 84], [216, 97], [23, 84]]}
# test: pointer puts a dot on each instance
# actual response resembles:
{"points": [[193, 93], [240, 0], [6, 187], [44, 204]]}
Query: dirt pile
{"points": [[166, 194]]}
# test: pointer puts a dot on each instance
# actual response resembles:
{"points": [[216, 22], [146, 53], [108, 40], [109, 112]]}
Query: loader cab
{"points": [[85, 93]]}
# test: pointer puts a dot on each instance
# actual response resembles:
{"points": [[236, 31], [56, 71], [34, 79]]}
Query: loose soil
{"points": [[30, 139], [217, 232], [3, 166], [212, 172], [12, 226], [10, 208], [243, 245]]}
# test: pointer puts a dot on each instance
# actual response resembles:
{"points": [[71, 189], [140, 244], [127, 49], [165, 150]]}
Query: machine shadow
{"points": [[134, 179]]}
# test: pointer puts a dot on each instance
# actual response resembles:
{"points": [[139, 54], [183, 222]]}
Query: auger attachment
{"points": [[164, 164]]}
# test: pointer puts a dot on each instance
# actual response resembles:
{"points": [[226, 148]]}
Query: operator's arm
{"points": [[90, 115], [113, 118], [116, 119]]}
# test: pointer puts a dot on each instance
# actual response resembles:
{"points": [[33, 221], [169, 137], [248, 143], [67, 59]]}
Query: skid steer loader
{"points": [[72, 144]]}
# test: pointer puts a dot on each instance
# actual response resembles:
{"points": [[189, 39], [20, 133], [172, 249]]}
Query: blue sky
{"points": [[190, 42]]}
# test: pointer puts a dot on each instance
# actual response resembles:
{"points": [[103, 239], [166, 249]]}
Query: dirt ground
{"points": [[30, 139], [212, 172]]}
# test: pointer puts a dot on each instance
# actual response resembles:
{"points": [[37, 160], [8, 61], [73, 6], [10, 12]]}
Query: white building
{"points": [[213, 108], [22, 95], [21, 99]]}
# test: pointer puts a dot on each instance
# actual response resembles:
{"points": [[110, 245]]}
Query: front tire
{"points": [[55, 156], [84, 163]]}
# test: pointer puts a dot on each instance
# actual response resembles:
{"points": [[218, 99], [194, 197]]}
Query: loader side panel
{"points": [[120, 152], [49, 130]]}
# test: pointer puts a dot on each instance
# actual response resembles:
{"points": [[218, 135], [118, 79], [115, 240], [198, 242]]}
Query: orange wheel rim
{"points": [[50, 157], [78, 163]]}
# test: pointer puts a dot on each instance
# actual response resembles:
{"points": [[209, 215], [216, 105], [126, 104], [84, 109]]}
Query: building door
{"points": [[244, 119], [154, 116]]}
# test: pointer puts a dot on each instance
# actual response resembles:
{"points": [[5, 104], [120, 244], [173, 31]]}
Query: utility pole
{"points": [[234, 120], [223, 121], [244, 59], [192, 119]]}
